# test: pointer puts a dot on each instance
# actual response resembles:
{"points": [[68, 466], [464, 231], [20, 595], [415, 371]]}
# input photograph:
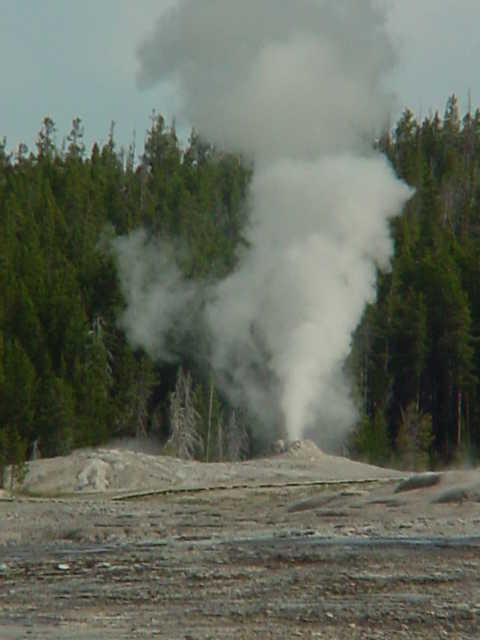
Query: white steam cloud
{"points": [[162, 305], [298, 86]]}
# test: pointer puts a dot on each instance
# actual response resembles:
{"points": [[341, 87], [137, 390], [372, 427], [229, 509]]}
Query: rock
{"points": [[419, 481], [279, 447], [456, 494], [314, 502], [94, 476]]}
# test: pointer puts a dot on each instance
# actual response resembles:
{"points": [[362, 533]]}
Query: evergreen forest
{"points": [[68, 377]]}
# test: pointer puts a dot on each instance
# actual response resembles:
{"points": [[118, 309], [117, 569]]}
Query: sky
{"points": [[65, 59]]}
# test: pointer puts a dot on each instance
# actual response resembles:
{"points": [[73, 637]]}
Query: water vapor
{"points": [[162, 304], [299, 87]]}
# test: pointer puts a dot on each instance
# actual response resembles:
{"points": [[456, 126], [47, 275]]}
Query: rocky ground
{"points": [[119, 544]]}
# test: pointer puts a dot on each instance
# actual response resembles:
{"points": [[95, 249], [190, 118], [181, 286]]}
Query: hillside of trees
{"points": [[68, 377], [416, 355]]}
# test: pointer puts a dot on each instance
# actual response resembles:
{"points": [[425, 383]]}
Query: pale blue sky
{"points": [[65, 58]]}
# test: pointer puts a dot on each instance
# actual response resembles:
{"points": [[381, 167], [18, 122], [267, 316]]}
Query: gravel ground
{"points": [[277, 551]]}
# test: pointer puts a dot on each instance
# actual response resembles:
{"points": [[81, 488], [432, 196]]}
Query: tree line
{"points": [[415, 355], [68, 377]]}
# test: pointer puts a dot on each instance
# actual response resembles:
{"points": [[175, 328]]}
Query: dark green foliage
{"points": [[12, 457], [68, 377], [55, 416], [370, 441], [416, 353], [17, 395], [414, 439], [134, 384]]}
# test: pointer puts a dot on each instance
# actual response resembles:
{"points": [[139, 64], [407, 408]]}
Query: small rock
{"points": [[314, 502], [279, 446], [456, 494]]}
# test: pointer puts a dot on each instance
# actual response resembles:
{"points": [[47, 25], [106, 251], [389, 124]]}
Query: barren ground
{"points": [[113, 544]]}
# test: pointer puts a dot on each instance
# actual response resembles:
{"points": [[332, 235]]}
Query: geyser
{"points": [[297, 86]]}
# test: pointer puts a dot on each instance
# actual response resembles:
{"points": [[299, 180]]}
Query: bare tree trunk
{"points": [[365, 382], [220, 441], [209, 425], [459, 418]]}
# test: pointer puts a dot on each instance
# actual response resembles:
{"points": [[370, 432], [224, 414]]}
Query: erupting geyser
{"points": [[297, 86]]}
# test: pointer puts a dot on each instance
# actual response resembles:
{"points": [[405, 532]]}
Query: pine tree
{"points": [[56, 416], [46, 148], [17, 394], [414, 438], [370, 440], [76, 146], [12, 457]]}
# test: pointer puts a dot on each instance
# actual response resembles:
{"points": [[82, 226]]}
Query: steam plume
{"points": [[297, 85]]}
